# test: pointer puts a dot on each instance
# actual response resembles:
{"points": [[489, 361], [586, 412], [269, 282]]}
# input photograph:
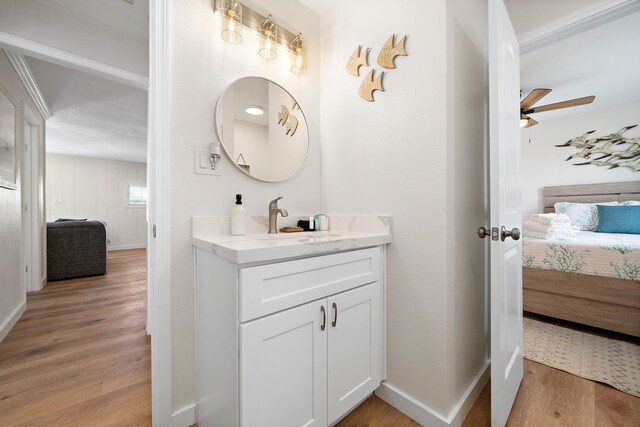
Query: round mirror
{"points": [[262, 129]]}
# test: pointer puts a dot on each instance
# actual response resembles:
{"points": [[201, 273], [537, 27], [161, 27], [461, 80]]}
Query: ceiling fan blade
{"points": [[533, 97], [531, 123], [563, 104]]}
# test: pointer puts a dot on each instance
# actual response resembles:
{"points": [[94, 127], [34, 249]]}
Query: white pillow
{"points": [[583, 215]]}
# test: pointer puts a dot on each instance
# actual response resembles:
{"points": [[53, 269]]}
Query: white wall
{"points": [[202, 66], [12, 291], [60, 27], [98, 190], [417, 154], [544, 165]]}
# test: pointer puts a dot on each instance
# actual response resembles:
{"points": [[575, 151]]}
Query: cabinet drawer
{"points": [[270, 288]]}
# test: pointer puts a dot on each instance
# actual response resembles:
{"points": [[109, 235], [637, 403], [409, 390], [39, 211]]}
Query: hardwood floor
{"points": [[550, 397], [80, 355], [547, 397], [375, 412]]}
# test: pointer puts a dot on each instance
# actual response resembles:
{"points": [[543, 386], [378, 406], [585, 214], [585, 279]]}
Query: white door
{"points": [[355, 348], [26, 193], [506, 257], [283, 368]]}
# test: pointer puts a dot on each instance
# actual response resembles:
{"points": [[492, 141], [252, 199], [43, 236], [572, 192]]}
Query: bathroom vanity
{"points": [[290, 328]]}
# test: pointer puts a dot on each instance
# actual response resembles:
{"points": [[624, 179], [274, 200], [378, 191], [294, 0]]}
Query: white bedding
{"points": [[597, 254]]}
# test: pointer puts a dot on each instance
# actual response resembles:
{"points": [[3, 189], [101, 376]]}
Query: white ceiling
{"points": [[527, 15], [92, 117], [129, 18], [318, 6], [603, 61]]}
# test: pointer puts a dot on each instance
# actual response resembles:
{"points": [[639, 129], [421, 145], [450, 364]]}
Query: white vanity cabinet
{"points": [[288, 343]]}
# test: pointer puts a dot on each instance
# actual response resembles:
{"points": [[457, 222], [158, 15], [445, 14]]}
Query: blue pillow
{"points": [[619, 219]]}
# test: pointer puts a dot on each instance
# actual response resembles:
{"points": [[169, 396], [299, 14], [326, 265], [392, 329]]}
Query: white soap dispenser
{"points": [[238, 218]]}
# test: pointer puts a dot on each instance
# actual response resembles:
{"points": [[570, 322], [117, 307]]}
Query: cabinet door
{"points": [[284, 368], [355, 348]]}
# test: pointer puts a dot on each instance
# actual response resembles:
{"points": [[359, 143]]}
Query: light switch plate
{"points": [[201, 162]]}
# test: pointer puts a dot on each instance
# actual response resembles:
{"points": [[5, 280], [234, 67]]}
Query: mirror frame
{"points": [[218, 127]]}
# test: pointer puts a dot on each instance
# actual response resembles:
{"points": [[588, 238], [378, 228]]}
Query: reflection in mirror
{"points": [[262, 128]]}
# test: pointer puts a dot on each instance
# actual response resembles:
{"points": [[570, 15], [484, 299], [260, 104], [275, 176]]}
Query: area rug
{"points": [[596, 358]]}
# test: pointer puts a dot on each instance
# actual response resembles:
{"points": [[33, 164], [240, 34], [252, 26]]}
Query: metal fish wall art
{"points": [[617, 151]]}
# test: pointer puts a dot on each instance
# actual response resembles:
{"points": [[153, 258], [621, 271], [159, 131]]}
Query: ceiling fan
{"points": [[527, 108]]}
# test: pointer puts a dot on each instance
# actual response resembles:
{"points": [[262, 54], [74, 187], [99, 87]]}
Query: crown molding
{"points": [[23, 70], [584, 19], [71, 60]]}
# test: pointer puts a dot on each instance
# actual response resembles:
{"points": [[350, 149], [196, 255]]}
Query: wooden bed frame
{"points": [[603, 302]]}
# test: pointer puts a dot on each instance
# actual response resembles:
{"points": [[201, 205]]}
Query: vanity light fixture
{"points": [[214, 155], [235, 15], [296, 48], [231, 11], [268, 39], [254, 110]]}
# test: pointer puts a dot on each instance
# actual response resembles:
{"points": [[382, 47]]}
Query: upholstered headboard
{"points": [[591, 193]]}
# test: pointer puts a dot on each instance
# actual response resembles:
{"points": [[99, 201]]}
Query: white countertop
{"points": [[269, 247]]}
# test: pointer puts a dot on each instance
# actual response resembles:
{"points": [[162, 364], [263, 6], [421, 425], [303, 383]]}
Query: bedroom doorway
{"points": [[32, 208], [581, 284]]}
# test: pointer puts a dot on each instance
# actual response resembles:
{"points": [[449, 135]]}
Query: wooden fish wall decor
{"points": [[627, 154], [292, 125], [386, 59], [357, 59], [387, 56], [370, 85], [288, 120], [283, 115]]}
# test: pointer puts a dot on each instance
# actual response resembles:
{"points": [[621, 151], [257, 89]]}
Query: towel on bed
{"points": [[550, 219], [570, 235], [536, 226]]}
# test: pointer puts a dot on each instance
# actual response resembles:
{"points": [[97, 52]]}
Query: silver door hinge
{"points": [[154, 231], [26, 147]]}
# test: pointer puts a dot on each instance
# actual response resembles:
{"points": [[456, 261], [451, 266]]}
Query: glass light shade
{"points": [[524, 122], [268, 39], [232, 26], [298, 55]]}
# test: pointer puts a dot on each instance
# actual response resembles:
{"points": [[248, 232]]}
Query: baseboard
{"points": [[125, 247], [184, 417], [13, 318], [428, 416]]}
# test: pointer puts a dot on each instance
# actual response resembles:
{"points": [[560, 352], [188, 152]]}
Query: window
{"points": [[138, 195]]}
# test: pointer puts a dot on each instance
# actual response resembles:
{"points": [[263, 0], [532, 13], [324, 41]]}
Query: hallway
{"points": [[80, 354]]}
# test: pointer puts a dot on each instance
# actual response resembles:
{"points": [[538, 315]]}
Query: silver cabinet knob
{"points": [[483, 232], [514, 234]]}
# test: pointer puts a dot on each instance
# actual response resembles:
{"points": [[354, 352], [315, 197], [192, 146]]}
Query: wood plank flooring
{"points": [[547, 397], [80, 355]]}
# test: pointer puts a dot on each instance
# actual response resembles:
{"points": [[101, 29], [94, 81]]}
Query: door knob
{"points": [[483, 232], [514, 233]]}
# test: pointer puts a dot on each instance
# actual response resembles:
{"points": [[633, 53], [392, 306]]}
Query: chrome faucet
{"points": [[273, 215]]}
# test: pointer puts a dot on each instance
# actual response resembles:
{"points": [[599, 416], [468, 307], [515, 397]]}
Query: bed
{"points": [[593, 280]]}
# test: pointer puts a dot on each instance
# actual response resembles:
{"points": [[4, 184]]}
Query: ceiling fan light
{"points": [[524, 122]]}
